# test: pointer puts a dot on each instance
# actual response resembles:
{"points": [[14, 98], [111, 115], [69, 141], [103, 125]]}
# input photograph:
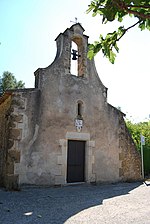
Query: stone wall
{"points": [[130, 169], [18, 111], [15, 135], [25, 107], [128, 155], [5, 102]]}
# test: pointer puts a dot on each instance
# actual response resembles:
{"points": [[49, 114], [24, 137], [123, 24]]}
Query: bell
{"points": [[75, 55]]}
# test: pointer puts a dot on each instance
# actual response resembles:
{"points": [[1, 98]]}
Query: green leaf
{"points": [[142, 25], [90, 54], [148, 24], [112, 57]]}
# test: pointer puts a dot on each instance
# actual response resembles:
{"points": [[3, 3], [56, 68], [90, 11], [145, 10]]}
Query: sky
{"points": [[28, 29]]}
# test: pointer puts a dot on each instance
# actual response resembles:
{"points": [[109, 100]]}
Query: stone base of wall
{"points": [[11, 182]]}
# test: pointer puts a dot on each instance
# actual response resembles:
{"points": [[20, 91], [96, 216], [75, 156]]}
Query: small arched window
{"points": [[79, 109]]}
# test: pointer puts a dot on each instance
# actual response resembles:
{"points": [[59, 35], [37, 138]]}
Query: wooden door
{"points": [[76, 161]]}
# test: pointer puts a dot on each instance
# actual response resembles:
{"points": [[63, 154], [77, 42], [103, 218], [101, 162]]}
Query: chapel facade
{"points": [[64, 131]]}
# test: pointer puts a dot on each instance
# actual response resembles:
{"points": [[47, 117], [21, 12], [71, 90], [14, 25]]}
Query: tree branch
{"points": [[121, 5], [141, 15], [139, 6], [128, 29]]}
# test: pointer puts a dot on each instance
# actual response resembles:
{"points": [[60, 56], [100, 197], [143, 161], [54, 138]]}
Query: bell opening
{"points": [[74, 59]]}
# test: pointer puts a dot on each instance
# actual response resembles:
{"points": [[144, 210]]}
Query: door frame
{"points": [[90, 176]]}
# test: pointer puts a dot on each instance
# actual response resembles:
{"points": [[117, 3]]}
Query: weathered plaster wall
{"points": [[58, 111], [25, 111]]}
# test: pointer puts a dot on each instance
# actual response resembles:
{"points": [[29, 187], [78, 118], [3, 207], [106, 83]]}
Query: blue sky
{"points": [[28, 29]]}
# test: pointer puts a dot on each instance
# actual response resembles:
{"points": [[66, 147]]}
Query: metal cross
{"points": [[76, 20]]}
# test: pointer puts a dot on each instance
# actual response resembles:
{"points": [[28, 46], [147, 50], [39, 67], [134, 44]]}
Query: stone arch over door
{"points": [[89, 157]]}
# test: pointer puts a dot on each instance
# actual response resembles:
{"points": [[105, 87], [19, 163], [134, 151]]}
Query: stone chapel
{"points": [[64, 131]]}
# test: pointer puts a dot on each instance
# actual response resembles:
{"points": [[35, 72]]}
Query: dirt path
{"points": [[122, 203]]}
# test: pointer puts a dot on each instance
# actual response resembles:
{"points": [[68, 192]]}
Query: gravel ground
{"points": [[121, 203]]}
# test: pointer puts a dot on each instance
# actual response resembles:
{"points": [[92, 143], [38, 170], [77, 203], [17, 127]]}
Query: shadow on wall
{"points": [[56, 205]]}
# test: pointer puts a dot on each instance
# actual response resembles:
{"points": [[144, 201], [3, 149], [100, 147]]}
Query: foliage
{"points": [[9, 82], [144, 129], [136, 129], [116, 10]]}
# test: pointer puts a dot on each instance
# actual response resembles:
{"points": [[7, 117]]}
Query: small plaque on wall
{"points": [[78, 124]]}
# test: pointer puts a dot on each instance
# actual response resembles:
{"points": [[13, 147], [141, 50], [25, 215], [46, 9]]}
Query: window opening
{"points": [[79, 110]]}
